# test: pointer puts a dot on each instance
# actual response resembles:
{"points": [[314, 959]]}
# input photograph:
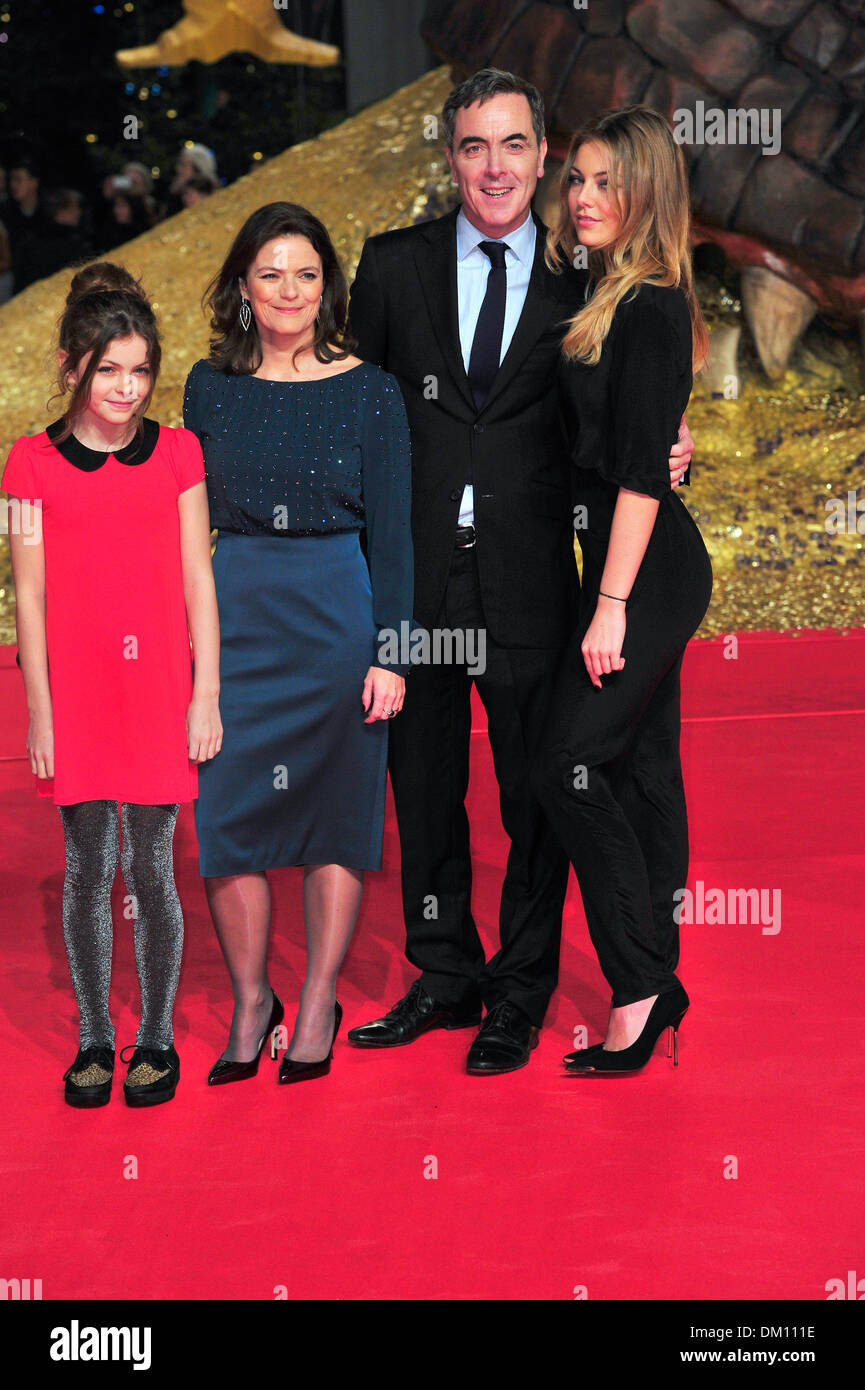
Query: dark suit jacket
{"points": [[403, 312]]}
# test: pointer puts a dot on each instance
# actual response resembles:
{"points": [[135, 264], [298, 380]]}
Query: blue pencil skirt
{"points": [[300, 778]]}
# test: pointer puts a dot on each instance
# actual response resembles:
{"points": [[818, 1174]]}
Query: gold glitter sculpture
{"points": [[766, 463], [211, 28]]}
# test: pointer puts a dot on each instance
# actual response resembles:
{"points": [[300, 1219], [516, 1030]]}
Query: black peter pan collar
{"points": [[136, 451]]}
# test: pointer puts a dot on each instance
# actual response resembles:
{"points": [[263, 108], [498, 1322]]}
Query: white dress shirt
{"points": [[473, 268]]}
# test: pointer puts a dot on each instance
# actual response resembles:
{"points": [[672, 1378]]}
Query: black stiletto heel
{"points": [[224, 1071], [673, 1041], [290, 1070], [667, 1011]]}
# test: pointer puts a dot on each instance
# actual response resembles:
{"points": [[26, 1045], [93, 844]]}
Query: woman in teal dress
{"points": [[307, 457]]}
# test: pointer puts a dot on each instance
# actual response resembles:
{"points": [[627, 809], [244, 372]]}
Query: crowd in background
{"points": [[45, 228]]}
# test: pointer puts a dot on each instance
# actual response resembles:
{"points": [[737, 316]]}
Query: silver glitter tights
{"points": [[92, 838]]}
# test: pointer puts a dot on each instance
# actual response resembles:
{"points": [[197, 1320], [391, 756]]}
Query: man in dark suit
{"points": [[26, 222], [467, 316]]}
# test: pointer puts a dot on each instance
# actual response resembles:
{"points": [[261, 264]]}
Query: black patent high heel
{"points": [[667, 1011], [291, 1070], [224, 1070]]}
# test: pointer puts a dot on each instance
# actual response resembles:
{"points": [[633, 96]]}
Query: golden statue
{"points": [[211, 28]]}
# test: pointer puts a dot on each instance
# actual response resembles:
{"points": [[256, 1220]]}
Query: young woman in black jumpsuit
{"points": [[609, 773]]}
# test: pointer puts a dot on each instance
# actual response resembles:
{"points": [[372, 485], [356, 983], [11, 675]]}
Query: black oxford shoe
{"points": [[413, 1015], [504, 1043], [152, 1076], [88, 1080]]}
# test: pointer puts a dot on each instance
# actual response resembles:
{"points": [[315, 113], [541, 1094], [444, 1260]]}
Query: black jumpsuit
{"points": [[608, 773]]}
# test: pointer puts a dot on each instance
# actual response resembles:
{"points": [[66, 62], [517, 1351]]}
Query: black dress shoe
{"points": [[88, 1080], [504, 1042], [152, 1076], [413, 1015]]}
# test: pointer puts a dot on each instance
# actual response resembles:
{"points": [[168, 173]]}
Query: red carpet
{"points": [[545, 1183]]}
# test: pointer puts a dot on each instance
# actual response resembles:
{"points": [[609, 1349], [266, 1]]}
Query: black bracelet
{"points": [[618, 600]]}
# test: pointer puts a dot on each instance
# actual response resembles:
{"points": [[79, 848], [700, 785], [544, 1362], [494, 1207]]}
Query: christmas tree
{"points": [[65, 100]]}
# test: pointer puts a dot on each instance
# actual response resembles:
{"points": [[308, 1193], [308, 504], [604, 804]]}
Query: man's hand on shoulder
{"points": [[680, 454]]}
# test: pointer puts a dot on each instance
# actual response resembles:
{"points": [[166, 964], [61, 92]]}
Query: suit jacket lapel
{"points": [[436, 264]]}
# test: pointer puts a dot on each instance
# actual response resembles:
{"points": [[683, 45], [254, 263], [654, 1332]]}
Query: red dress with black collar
{"points": [[119, 658]]}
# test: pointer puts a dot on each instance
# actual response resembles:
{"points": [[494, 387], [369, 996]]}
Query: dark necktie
{"points": [[487, 342]]}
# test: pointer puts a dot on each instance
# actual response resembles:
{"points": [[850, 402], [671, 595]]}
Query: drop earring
{"points": [[245, 314]]}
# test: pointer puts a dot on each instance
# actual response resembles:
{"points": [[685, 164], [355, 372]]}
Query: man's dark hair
{"points": [[491, 82], [200, 184], [61, 200], [27, 162]]}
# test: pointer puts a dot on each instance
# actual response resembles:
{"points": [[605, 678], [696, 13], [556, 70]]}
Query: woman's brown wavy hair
{"points": [[649, 185], [233, 349]]}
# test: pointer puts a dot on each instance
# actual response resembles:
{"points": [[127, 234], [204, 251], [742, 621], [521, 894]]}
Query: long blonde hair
{"points": [[649, 185]]}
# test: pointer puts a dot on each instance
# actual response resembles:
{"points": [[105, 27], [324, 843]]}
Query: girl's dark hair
{"points": [[141, 220], [237, 351], [104, 302]]}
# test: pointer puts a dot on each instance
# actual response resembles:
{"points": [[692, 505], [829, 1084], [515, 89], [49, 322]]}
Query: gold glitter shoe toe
{"points": [[152, 1075], [88, 1080]]}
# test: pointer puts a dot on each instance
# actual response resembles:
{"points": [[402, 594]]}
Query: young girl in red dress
{"points": [[110, 540]]}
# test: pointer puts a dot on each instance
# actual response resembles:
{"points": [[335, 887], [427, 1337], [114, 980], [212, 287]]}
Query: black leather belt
{"points": [[466, 537]]}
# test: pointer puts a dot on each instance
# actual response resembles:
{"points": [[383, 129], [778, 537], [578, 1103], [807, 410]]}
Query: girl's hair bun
{"points": [[100, 277], [104, 302]]}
